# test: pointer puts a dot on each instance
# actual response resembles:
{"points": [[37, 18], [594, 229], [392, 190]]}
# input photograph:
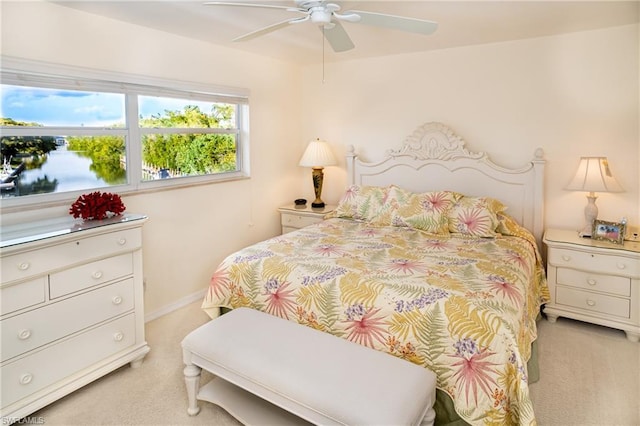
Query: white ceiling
{"points": [[460, 23]]}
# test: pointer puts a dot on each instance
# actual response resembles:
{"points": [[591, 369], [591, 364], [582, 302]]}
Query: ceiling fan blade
{"points": [[337, 37], [266, 6], [401, 23], [267, 30]]}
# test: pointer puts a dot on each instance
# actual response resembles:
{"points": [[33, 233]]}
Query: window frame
{"points": [[22, 72]]}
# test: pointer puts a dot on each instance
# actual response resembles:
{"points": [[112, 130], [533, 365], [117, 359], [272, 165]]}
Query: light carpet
{"points": [[589, 375]]}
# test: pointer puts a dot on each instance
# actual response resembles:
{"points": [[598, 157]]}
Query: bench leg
{"points": [[192, 380]]}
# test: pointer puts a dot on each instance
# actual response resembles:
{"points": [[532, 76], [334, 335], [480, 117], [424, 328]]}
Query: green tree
{"points": [[192, 153], [35, 146]]}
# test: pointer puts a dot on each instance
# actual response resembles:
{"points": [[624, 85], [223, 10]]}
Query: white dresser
{"points": [[593, 281], [71, 307]]}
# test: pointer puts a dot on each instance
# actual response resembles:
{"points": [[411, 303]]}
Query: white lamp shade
{"points": [[594, 175], [317, 154]]}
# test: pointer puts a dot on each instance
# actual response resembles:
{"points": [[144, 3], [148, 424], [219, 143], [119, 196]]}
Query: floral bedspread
{"points": [[463, 307]]}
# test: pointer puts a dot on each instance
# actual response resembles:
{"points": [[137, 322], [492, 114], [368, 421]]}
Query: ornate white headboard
{"points": [[435, 158]]}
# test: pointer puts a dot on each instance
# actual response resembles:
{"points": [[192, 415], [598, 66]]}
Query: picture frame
{"points": [[612, 232]]}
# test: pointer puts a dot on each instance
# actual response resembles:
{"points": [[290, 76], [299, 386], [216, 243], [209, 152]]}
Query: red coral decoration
{"points": [[97, 206]]}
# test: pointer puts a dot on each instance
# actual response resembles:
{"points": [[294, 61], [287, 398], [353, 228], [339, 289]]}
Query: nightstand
{"points": [[593, 281], [295, 217]]}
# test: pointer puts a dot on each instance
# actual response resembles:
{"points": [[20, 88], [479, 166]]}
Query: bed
{"points": [[432, 256]]}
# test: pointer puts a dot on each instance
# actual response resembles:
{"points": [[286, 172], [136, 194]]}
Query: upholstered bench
{"points": [[263, 362]]}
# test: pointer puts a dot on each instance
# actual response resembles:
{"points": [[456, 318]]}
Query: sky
{"points": [[53, 107]]}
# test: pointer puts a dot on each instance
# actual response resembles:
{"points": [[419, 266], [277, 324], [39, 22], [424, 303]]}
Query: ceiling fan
{"points": [[327, 17]]}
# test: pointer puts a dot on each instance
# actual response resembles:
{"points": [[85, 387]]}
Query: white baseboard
{"points": [[175, 305]]}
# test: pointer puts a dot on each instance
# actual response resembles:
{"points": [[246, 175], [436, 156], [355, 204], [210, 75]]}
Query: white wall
{"points": [[190, 230], [573, 95]]}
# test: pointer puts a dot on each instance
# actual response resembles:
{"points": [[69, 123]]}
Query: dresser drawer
{"points": [[20, 296], [40, 369], [600, 263], [89, 275], [593, 302], [610, 284], [298, 221], [38, 327], [41, 261]]}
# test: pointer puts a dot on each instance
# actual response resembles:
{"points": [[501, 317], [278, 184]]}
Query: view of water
{"points": [[70, 170], [64, 170]]}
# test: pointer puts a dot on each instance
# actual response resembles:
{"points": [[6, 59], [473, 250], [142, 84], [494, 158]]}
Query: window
{"points": [[186, 139], [63, 136]]}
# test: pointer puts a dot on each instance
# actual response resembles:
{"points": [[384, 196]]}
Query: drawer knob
{"points": [[566, 258], [591, 302], [97, 275], [591, 281], [118, 336], [24, 334], [122, 241], [26, 378], [621, 266], [23, 266], [116, 300]]}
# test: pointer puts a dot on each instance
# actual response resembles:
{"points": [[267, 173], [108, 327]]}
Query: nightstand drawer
{"points": [[620, 286], [298, 221], [89, 275], [596, 262], [593, 302]]}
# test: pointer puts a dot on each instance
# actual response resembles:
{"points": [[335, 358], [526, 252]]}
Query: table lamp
{"points": [[317, 155], [593, 175]]}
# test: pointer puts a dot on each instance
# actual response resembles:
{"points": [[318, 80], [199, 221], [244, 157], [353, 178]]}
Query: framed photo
{"points": [[608, 231]]}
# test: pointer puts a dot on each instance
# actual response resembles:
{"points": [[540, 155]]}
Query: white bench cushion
{"points": [[315, 375]]}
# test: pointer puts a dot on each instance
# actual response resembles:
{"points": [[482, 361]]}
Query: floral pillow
{"points": [[367, 203], [427, 211], [476, 216]]}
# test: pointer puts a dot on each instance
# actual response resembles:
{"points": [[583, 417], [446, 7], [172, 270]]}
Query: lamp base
{"points": [[590, 214], [318, 175]]}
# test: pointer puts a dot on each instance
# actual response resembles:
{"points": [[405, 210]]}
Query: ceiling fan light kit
{"points": [[326, 16]]}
